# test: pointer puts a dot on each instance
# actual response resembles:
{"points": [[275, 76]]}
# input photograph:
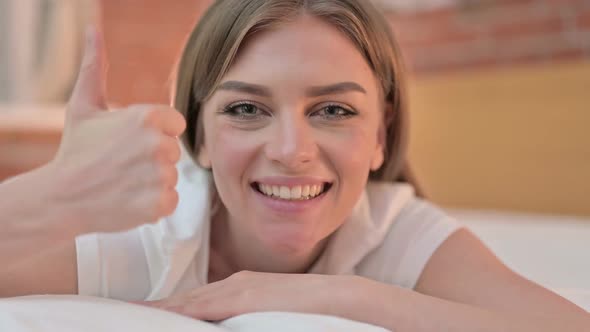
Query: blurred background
{"points": [[499, 100]]}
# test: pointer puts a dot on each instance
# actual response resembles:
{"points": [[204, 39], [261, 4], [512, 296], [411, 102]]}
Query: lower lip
{"points": [[284, 206]]}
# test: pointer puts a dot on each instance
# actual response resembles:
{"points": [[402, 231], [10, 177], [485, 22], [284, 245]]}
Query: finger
{"points": [[169, 177], [214, 302], [167, 202], [167, 119], [167, 149], [210, 308], [89, 91], [212, 288], [157, 148]]}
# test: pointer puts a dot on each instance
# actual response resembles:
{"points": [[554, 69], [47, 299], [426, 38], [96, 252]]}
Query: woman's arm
{"points": [[53, 270], [466, 288], [464, 270], [113, 171], [402, 310], [37, 251]]}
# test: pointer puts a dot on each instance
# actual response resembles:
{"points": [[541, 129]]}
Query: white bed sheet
{"points": [[551, 250], [67, 313]]}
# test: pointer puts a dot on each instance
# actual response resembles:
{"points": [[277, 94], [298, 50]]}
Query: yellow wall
{"points": [[513, 138]]}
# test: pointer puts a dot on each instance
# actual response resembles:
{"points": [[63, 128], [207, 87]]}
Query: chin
{"points": [[289, 240]]}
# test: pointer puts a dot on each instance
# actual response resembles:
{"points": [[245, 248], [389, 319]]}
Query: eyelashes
{"points": [[250, 111], [335, 111], [244, 110]]}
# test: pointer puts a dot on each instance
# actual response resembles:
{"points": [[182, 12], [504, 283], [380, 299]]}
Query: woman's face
{"points": [[291, 133]]}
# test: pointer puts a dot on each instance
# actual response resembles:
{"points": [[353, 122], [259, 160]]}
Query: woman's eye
{"points": [[334, 112], [245, 111]]}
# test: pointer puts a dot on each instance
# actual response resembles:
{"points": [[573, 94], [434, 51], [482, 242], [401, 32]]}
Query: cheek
{"points": [[229, 158], [351, 151], [230, 151], [348, 155]]}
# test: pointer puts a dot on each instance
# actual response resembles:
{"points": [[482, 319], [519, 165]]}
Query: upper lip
{"points": [[291, 181]]}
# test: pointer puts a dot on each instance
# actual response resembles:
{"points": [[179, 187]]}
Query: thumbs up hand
{"points": [[115, 168]]}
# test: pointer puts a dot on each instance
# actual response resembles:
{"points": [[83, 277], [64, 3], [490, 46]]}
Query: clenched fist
{"points": [[115, 168]]}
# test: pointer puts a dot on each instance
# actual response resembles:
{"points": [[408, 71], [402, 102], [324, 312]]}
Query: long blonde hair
{"points": [[214, 43]]}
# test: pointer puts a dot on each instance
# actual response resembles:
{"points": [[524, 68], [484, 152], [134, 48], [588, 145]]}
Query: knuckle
{"points": [[149, 116], [165, 148], [175, 151], [145, 210], [241, 275], [168, 201], [179, 120], [158, 147], [153, 115], [151, 139], [168, 176], [173, 177], [159, 157]]}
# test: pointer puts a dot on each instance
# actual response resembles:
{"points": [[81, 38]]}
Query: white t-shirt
{"points": [[389, 237]]}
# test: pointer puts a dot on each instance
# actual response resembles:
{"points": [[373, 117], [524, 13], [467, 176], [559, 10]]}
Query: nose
{"points": [[292, 144]]}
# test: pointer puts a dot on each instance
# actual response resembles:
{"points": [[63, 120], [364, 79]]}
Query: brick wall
{"points": [[144, 37], [491, 33]]}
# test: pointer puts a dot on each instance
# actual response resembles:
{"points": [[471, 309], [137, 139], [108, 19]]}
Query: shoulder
{"points": [[385, 198], [415, 229]]}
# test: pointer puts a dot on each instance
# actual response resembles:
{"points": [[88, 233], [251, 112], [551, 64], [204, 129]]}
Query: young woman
{"points": [[288, 199]]}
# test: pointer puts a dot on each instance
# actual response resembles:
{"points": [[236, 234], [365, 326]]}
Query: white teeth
{"points": [[293, 193], [285, 193], [296, 192], [313, 191], [267, 189], [305, 191]]}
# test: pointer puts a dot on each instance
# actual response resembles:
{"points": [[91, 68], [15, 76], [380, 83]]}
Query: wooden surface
{"points": [[516, 138]]}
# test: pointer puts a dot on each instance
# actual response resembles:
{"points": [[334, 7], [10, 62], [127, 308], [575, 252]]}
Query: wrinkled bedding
{"points": [[69, 313], [49, 313]]}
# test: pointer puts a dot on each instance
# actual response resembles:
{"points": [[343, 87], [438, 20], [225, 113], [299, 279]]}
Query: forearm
{"points": [[36, 237], [50, 271], [403, 310], [29, 209]]}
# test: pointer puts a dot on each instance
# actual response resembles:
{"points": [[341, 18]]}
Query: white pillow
{"points": [[65, 313]]}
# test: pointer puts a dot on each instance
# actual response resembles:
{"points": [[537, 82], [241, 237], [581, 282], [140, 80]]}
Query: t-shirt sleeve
{"points": [[112, 265], [415, 235]]}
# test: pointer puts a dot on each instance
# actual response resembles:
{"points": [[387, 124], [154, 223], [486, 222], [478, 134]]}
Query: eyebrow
{"points": [[314, 91], [249, 88], [333, 89]]}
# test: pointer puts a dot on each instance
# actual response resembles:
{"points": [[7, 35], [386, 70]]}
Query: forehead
{"points": [[306, 48]]}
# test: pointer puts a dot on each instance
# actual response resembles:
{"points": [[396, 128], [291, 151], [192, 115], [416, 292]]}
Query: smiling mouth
{"points": [[292, 193]]}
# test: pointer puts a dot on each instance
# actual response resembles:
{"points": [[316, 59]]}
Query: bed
{"points": [[551, 250]]}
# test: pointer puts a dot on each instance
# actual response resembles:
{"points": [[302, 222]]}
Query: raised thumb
{"points": [[89, 92]]}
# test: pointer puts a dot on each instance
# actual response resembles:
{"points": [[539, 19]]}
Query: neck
{"points": [[235, 249]]}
